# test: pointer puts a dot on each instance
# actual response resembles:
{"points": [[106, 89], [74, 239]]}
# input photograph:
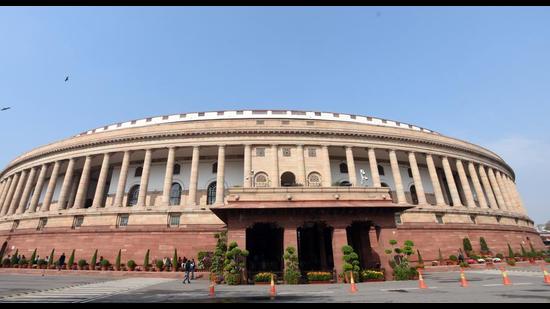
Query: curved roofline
{"points": [[257, 113]]}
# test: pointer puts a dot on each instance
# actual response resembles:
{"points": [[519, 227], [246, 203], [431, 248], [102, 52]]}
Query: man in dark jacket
{"points": [[187, 268], [61, 261]]}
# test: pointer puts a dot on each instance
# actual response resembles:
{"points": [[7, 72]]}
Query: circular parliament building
{"points": [[270, 178]]}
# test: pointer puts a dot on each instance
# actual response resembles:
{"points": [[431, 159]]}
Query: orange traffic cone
{"points": [[353, 285], [463, 281], [421, 282], [212, 291], [272, 291], [505, 278], [546, 274]]}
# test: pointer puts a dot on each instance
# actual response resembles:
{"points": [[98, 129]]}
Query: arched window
{"points": [[314, 179], [211, 193], [138, 172], [345, 183], [261, 180], [288, 179], [215, 168], [343, 168], [133, 196], [177, 169], [414, 195], [381, 170], [175, 194]]}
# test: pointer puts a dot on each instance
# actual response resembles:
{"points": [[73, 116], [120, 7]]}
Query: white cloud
{"points": [[529, 159]]}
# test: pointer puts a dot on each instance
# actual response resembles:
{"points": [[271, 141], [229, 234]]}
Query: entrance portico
{"points": [[318, 222]]}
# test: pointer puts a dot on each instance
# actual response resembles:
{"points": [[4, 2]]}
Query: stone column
{"points": [[374, 169], [80, 199], [339, 239], [465, 184], [451, 182], [397, 178], [477, 186], [168, 176], [301, 165], [101, 181], [440, 201], [504, 191], [27, 191], [518, 197], [275, 179], [194, 177], [51, 188], [512, 194], [38, 188], [496, 189], [4, 205], [247, 178], [327, 174], [17, 194], [72, 195], [290, 238], [220, 175], [487, 186], [144, 182], [123, 177], [5, 185], [417, 179], [351, 166], [66, 186]]}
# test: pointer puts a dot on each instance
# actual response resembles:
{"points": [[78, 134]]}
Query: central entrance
{"points": [[315, 247], [264, 242], [358, 235]]}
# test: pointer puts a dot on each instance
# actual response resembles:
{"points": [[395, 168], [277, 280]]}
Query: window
{"points": [[177, 169], [211, 194], [414, 195], [77, 221], [381, 170], [174, 220], [260, 152], [15, 225], [312, 152], [215, 168], [286, 152], [175, 194], [41, 224], [288, 179], [138, 172], [261, 180], [343, 168], [122, 220], [314, 179], [439, 218], [398, 218], [133, 196], [409, 171]]}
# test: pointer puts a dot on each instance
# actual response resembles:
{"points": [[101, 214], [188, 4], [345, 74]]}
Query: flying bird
{"points": [[4, 109], [67, 78]]}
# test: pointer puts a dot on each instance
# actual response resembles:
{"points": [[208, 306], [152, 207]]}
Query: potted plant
{"points": [[81, 264], [105, 264], [218, 258], [159, 265], [453, 260], [351, 263], [264, 278], [146, 264], [41, 263], [234, 264], [318, 277], [23, 263], [117, 261], [131, 265], [292, 271], [6, 263], [372, 276], [70, 263], [93, 260]]}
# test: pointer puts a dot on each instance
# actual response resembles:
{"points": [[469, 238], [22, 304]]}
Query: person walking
{"points": [[61, 261], [187, 268], [193, 265]]}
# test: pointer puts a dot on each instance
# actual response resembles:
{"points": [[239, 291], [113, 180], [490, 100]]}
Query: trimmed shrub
{"points": [[33, 257], [292, 270], [175, 260], [105, 263], [146, 264], [367, 275], [510, 252], [50, 261], [70, 263], [351, 262], [265, 277], [6, 262], [420, 260], [117, 261], [319, 276], [511, 262], [93, 260], [159, 264], [131, 264], [467, 246], [483, 245], [453, 258], [82, 263]]}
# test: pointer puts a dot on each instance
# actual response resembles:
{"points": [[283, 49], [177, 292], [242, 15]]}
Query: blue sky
{"points": [[479, 74]]}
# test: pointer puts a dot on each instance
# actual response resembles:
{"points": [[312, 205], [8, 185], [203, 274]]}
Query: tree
{"points": [[71, 261], [33, 257], [219, 254], [420, 260], [14, 260], [175, 260], [400, 260], [50, 261], [146, 261], [351, 261], [523, 252], [483, 245], [117, 260], [467, 245], [532, 248], [292, 270], [234, 264], [510, 252], [93, 261]]}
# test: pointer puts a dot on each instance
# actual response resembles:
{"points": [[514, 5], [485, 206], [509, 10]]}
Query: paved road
{"points": [[484, 286]]}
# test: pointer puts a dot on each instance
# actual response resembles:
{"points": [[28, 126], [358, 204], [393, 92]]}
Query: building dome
{"points": [[271, 179]]}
